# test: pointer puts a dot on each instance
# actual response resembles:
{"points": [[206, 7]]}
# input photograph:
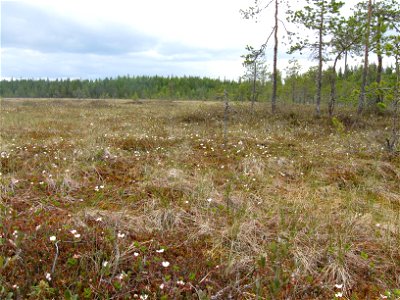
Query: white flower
{"points": [[135, 254], [180, 282], [209, 199], [105, 263], [48, 276], [144, 297], [73, 231], [53, 238], [339, 295], [121, 235], [77, 236], [160, 251], [161, 286], [383, 296], [165, 264], [99, 219], [338, 286]]}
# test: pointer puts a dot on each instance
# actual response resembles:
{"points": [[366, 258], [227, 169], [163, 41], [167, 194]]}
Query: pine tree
{"points": [[316, 16]]}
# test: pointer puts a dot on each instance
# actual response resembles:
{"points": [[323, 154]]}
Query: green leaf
{"points": [[87, 293], [69, 296], [262, 262], [364, 255], [117, 285], [72, 261], [192, 276]]}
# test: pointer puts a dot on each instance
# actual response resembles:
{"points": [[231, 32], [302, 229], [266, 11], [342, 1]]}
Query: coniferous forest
{"points": [[295, 88]]}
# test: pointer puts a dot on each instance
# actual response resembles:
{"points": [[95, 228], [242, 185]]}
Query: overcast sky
{"points": [[97, 39]]}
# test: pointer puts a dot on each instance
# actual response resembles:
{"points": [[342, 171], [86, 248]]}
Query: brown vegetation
{"points": [[147, 200]]}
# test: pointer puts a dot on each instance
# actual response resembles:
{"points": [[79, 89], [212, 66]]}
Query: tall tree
{"points": [[316, 16], [254, 12], [346, 38], [275, 70], [384, 15], [361, 99], [393, 49]]}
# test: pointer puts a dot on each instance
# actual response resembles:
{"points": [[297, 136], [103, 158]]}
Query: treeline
{"points": [[122, 87], [296, 88], [301, 88]]}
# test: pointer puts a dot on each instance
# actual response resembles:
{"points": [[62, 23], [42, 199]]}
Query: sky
{"points": [[97, 39]]}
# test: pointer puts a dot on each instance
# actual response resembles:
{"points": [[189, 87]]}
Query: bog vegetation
{"points": [[122, 199]]}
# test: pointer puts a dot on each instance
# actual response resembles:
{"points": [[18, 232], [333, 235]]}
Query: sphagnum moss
{"points": [[151, 201]]}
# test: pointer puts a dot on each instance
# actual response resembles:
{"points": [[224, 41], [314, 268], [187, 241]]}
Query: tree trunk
{"points": [[275, 73], [319, 76], [345, 65], [333, 88], [293, 89], [380, 60], [361, 99], [379, 97], [394, 139], [253, 98]]}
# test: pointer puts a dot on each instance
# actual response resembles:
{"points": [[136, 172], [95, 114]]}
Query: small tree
{"points": [[393, 49], [317, 16], [292, 77], [254, 62], [346, 38]]}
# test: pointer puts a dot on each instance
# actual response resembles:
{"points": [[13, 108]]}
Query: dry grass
{"points": [[286, 209]]}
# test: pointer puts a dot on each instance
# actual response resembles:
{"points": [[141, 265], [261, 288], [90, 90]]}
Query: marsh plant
{"points": [[162, 200]]}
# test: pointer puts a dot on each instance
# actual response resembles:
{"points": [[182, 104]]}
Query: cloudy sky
{"points": [[96, 39]]}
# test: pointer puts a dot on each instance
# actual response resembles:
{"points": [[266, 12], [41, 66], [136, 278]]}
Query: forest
{"points": [[295, 88]]}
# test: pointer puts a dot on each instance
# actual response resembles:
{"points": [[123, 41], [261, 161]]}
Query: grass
{"points": [[152, 201]]}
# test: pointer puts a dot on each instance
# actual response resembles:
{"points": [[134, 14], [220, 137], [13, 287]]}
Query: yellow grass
{"points": [[284, 207]]}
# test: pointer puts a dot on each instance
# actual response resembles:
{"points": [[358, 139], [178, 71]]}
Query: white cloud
{"points": [[75, 38]]}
